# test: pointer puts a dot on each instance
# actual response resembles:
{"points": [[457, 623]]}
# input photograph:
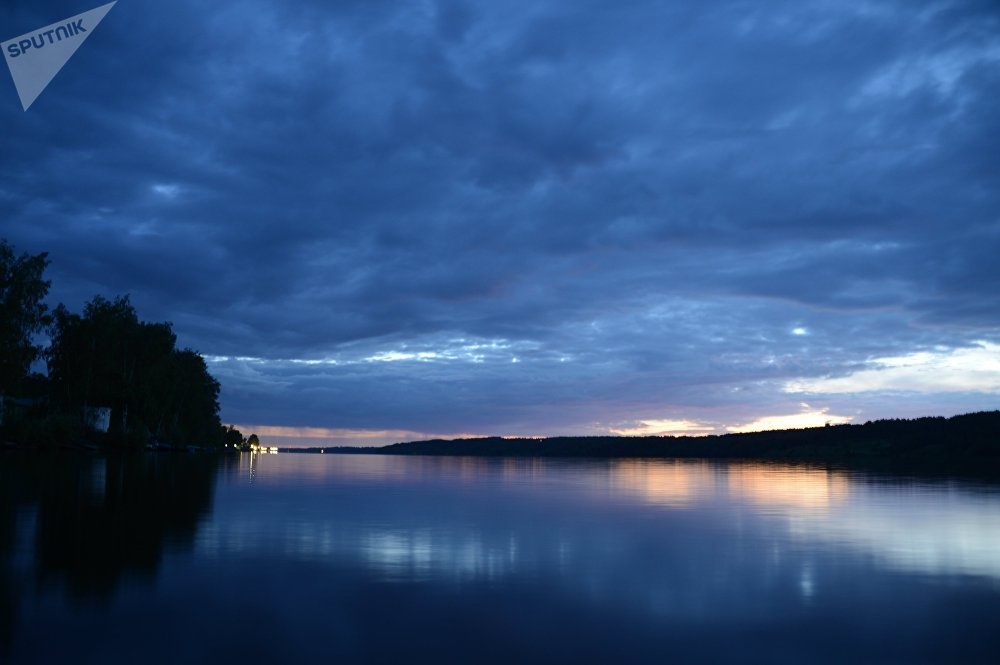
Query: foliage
{"points": [[49, 431], [108, 357], [232, 437], [22, 313]]}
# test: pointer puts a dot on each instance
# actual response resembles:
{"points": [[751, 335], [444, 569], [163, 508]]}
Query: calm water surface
{"points": [[328, 558]]}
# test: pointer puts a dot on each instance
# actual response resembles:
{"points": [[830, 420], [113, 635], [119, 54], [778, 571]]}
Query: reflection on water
{"points": [[788, 489], [493, 560], [935, 528], [939, 530], [77, 526], [677, 484], [668, 483]]}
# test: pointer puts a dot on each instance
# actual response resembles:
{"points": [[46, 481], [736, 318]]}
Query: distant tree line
{"points": [[102, 359], [966, 444]]}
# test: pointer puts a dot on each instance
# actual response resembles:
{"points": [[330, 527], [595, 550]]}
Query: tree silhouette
{"points": [[107, 357], [22, 313]]}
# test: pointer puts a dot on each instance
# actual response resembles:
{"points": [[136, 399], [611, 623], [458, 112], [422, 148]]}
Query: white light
{"points": [[663, 428], [975, 369], [813, 418]]}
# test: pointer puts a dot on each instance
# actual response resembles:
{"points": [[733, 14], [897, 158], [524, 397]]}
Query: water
{"points": [[377, 559]]}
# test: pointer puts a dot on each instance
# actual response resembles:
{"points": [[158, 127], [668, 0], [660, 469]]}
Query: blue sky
{"points": [[389, 220]]}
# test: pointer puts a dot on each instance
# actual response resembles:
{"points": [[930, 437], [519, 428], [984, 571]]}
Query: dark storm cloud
{"points": [[639, 201]]}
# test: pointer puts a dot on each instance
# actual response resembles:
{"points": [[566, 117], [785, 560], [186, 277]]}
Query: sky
{"points": [[382, 221]]}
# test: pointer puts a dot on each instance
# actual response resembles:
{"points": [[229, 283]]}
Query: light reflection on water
{"points": [[352, 558], [931, 528]]}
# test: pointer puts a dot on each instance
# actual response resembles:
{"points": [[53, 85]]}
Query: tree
{"points": [[196, 415], [22, 312], [92, 358], [232, 437], [253, 442], [108, 357]]}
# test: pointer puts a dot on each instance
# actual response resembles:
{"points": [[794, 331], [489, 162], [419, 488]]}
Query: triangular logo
{"points": [[36, 57]]}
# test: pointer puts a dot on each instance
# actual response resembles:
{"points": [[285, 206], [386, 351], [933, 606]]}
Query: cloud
{"points": [[975, 369], [320, 436], [809, 417], [646, 204], [663, 428]]}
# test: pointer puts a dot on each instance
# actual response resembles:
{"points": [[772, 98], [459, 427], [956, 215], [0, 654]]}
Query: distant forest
{"points": [[963, 443]]}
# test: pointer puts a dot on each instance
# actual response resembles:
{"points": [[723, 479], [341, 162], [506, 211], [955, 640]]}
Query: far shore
{"points": [[966, 445], [963, 445]]}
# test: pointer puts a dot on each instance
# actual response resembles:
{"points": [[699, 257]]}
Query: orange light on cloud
{"points": [[663, 428], [810, 418], [316, 435]]}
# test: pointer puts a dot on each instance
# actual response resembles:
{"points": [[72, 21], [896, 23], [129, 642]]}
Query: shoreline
{"points": [[966, 446], [963, 445]]}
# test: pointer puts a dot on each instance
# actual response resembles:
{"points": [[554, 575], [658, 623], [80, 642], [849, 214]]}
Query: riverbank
{"points": [[965, 444]]}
